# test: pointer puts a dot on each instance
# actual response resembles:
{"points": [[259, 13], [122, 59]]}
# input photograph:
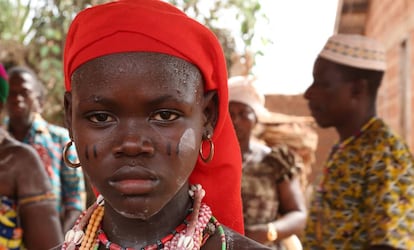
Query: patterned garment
{"points": [[67, 183], [10, 231], [263, 169], [368, 195]]}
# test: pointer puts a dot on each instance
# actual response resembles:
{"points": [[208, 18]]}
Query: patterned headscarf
{"points": [[156, 26], [4, 86]]}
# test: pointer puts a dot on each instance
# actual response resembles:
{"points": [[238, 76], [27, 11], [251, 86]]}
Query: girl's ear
{"points": [[210, 110], [67, 102]]}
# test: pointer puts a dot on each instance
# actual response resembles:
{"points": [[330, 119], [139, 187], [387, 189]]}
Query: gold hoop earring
{"points": [[211, 153], [65, 156]]}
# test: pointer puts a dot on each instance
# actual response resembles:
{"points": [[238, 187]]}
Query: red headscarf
{"points": [[156, 26]]}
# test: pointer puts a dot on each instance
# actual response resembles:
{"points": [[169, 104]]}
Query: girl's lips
{"points": [[134, 186], [134, 180]]}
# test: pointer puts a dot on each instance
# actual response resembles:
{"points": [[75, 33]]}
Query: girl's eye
{"points": [[165, 116], [100, 117]]}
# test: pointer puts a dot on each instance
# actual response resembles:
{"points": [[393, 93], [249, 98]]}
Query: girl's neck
{"points": [[139, 233]]}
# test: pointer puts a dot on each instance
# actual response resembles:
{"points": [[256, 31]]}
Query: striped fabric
{"points": [[68, 183]]}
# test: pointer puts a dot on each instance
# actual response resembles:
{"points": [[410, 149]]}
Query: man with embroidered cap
{"points": [[366, 194]]}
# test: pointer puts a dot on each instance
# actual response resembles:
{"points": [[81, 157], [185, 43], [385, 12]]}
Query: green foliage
{"points": [[214, 14], [12, 19], [40, 27], [36, 29]]}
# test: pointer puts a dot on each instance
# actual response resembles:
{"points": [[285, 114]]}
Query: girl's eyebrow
{"points": [[112, 101], [95, 99], [166, 98]]}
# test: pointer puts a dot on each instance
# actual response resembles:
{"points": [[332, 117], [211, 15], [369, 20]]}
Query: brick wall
{"points": [[392, 22]]}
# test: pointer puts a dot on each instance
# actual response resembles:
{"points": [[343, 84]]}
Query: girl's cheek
{"points": [[187, 144], [91, 152], [87, 152]]}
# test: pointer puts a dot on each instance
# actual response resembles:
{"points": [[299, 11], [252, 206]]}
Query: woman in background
{"points": [[273, 203]]}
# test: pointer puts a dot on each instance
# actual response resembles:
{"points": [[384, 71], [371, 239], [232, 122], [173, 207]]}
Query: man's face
{"points": [[22, 99], [329, 97]]}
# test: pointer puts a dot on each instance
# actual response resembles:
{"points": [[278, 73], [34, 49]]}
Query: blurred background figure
{"points": [[365, 199], [300, 135], [273, 202], [4, 88], [26, 124], [27, 205]]}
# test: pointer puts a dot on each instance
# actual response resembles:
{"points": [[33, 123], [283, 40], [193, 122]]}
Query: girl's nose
{"points": [[133, 145]]}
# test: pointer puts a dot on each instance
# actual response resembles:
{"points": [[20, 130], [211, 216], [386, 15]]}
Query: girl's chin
{"points": [[139, 211], [142, 215]]}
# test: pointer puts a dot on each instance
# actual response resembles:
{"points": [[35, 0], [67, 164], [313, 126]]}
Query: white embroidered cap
{"points": [[356, 51]]}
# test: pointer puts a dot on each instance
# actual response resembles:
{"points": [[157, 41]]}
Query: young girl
{"points": [[146, 107]]}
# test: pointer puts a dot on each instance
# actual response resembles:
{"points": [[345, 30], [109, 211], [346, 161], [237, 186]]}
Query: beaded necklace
{"points": [[338, 147], [158, 245], [165, 242], [198, 226]]}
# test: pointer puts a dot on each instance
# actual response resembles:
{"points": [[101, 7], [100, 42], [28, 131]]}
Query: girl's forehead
{"points": [[137, 63], [146, 72]]}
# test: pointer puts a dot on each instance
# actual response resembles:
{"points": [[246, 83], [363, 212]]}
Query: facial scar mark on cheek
{"points": [[94, 151], [86, 153], [169, 149]]}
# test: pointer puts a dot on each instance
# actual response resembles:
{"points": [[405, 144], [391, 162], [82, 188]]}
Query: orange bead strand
{"points": [[92, 229]]}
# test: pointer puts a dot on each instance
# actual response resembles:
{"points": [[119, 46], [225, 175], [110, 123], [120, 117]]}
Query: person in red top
{"points": [[147, 108]]}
